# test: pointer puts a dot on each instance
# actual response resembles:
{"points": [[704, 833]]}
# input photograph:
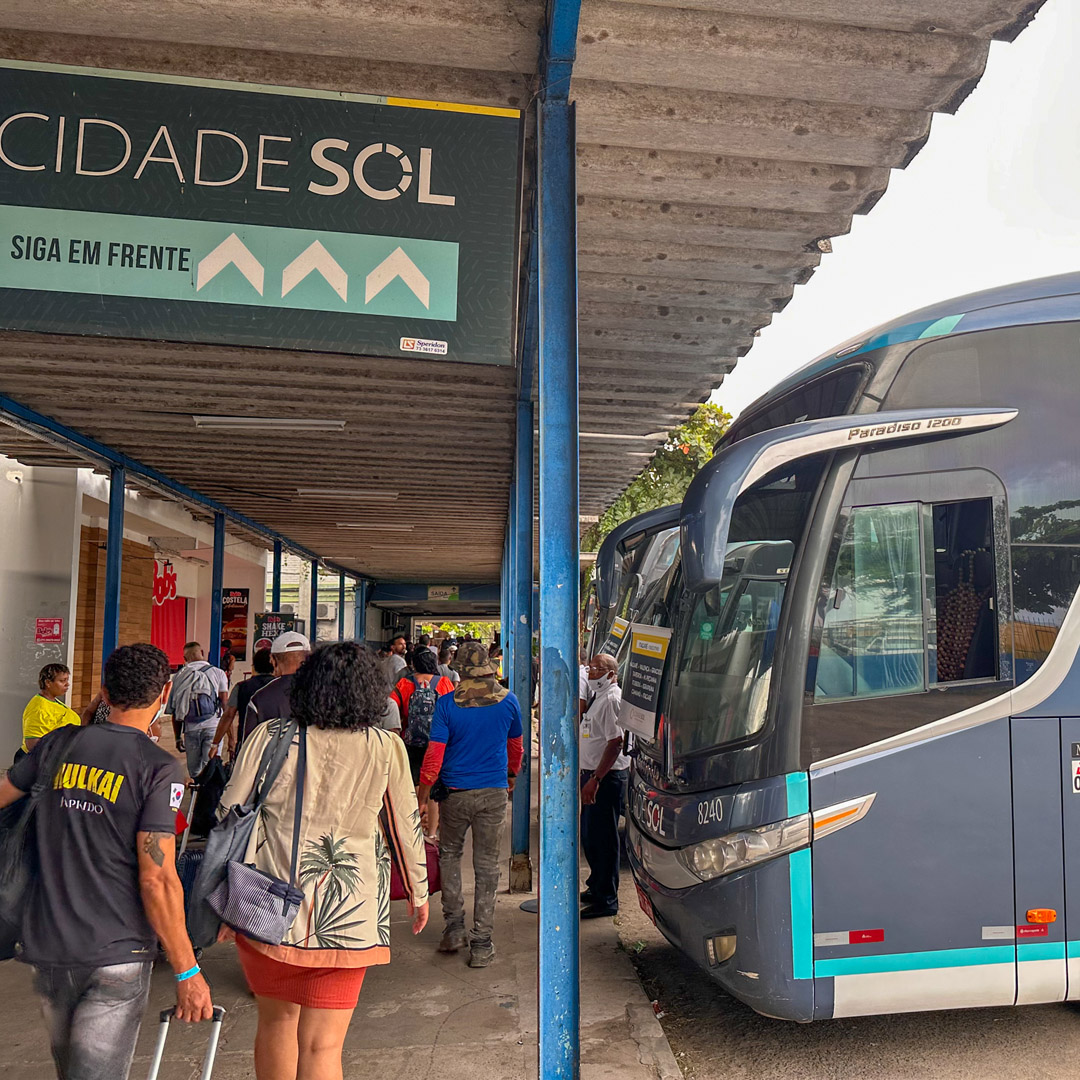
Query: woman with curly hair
{"points": [[359, 809]]}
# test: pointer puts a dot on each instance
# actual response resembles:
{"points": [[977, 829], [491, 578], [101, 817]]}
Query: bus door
{"points": [[1039, 854], [1070, 798], [914, 901]]}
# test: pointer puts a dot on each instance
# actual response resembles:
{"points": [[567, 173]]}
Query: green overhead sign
{"points": [[143, 206]]}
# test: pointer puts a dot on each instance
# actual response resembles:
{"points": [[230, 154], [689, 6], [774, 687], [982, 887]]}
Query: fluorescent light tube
{"points": [[265, 423], [347, 493], [387, 526]]}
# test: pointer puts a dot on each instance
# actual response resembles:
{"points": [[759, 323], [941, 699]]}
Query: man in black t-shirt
{"points": [[107, 891], [272, 702]]}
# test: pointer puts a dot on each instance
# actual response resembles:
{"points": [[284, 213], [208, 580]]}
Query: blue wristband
{"points": [[189, 974]]}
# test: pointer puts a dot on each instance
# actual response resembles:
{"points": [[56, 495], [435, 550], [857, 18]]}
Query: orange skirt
{"points": [[311, 987]]}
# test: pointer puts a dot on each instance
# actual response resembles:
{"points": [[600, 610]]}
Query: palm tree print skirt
{"points": [[313, 987]]}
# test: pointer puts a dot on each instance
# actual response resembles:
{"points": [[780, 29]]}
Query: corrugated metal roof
{"points": [[721, 143]]}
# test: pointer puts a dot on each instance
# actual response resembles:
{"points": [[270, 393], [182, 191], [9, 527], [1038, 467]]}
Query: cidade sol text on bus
{"points": [[328, 167]]}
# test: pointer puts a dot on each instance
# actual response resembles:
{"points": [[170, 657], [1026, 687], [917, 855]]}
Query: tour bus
{"points": [[863, 791], [631, 560]]}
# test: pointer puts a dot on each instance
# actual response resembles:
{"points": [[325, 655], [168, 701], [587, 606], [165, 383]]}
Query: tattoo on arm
{"points": [[152, 846]]}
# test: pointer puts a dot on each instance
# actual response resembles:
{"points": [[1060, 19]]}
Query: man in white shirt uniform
{"points": [[604, 773]]}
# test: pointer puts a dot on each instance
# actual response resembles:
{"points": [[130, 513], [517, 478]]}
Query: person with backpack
{"points": [[416, 693], [199, 694], [105, 891]]}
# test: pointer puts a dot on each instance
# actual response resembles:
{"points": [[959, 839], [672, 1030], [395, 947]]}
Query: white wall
{"points": [[39, 558]]}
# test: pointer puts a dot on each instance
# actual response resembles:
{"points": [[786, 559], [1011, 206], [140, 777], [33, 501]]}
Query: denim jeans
{"points": [[93, 1016], [484, 811], [600, 836], [198, 738]]}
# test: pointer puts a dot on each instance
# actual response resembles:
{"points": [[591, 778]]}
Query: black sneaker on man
{"points": [[453, 939], [481, 955], [598, 911]]}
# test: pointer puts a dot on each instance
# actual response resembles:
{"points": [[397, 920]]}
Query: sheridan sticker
{"points": [[424, 345]]}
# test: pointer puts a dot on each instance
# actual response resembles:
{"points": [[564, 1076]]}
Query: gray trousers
{"points": [[198, 738], [93, 1016], [484, 811]]}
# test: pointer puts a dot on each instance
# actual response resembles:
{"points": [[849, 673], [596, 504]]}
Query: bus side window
{"points": [[872, 641], [884, 631]]}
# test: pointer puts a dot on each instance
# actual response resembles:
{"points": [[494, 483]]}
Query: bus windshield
{"points": [[650, 561], [725, 636]]}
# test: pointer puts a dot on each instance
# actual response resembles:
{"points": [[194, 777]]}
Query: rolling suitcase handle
{"points": [[211, 1050], [190, 815]]}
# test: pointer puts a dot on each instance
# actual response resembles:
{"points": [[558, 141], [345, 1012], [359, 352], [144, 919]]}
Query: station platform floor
{"points": [[423, 1015]]}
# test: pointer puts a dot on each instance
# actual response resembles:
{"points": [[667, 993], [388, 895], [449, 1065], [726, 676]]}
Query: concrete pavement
{"points": [[423, 1015]]}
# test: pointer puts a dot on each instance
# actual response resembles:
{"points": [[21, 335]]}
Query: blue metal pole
{"points": [[521, 570], [559, 992], [313, 628], [359, 609], [114, 553], [521, 578], [275, 585], [504, 577], [217, 577], [341, 608], [508, 593]]}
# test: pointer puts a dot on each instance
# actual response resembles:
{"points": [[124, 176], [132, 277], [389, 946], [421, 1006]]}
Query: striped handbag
{"points": [[254, 903]]}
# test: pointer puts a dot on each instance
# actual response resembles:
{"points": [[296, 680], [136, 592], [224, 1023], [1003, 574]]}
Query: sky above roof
{"points": [[991, 199]]}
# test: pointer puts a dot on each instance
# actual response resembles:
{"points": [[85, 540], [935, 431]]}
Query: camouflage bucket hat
{"points": [[472, 661]]}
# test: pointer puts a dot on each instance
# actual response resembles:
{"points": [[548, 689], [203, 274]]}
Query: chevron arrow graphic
{"points": [[313, 258], [231, 250], [397, 265]]}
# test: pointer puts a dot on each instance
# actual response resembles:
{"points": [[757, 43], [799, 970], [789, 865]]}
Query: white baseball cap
{"points": [[290, 641]]}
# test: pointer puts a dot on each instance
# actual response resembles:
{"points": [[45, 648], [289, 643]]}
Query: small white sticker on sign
{"points": [[1076, 776], [841, 938], [998, 933], [423, 345]]}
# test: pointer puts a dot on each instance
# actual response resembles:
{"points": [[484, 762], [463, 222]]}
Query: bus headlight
{"points": [[736, 851]]}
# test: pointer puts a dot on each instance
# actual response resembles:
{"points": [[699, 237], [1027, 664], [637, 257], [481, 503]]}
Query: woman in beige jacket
{"points": [[359, 811]]}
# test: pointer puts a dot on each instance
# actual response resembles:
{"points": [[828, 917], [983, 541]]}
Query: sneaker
{"points": [[453, 939], [481, 955], [587, 897]]}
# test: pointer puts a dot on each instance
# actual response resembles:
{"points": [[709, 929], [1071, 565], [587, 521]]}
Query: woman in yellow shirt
{"points": [[46, 711]]}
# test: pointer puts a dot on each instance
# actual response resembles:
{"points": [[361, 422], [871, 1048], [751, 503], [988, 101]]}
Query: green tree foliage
{"points": [[483, 631], [667, 476]]}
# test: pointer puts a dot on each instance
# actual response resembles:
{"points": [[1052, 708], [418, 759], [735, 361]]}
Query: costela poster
{"points": [[641, 688], [272, 624], [234, 621]]}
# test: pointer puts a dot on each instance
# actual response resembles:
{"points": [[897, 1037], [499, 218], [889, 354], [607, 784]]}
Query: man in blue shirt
{"points": [[476, 751]]}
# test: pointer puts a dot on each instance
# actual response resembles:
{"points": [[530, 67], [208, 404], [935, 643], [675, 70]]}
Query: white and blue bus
{"points": [[863, 793]]}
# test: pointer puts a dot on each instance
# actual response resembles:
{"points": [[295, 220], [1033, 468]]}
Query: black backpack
{"points": [[421, 710]]}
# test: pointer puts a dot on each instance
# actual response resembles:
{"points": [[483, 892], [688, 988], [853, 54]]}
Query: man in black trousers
{"points": [[604, 772]]}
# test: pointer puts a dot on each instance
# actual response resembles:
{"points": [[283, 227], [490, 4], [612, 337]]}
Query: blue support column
{"points": [[341, 608], [275, 584], [114, 553], [313, 607], [217, 578], [521, 579], [360, 610], [559, 992], [504, 578]]}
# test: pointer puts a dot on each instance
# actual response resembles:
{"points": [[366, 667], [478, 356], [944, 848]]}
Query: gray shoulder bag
{"points": [[254, 903], [230, 838]]}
